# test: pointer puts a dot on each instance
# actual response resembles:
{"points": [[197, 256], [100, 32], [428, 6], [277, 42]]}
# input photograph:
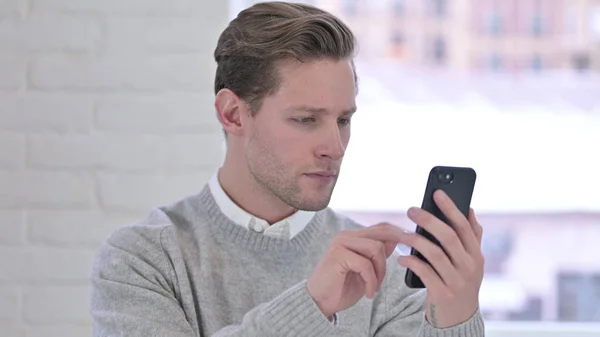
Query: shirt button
{"points": [[258, 228]]}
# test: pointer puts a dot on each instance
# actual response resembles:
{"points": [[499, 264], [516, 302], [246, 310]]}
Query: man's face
{"points": [[300, 134]]}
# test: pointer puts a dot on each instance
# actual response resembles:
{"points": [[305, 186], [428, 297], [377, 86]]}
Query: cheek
{"points": [[291, 150], [345, 136], [288, 148], [284, 145], [285, 137], [273, 146]]}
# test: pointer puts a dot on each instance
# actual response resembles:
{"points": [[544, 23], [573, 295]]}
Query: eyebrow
{"points": [[311, 109]]}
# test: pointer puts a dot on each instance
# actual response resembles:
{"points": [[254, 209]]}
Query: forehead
{"points": [[325, 83]]}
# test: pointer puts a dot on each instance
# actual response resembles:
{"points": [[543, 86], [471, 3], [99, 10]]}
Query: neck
{"points": [[239, 184]]}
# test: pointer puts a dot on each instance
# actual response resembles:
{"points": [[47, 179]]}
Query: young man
{"points": [[257, 252]]}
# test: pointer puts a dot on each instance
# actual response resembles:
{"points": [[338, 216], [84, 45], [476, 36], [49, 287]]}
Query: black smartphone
{"points": [[458, 183]]}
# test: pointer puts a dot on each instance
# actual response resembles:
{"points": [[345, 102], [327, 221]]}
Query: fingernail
{"points": [[412, 211]]}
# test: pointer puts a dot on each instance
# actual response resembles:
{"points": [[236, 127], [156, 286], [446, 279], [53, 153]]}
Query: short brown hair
{"points": [[253, 43]]}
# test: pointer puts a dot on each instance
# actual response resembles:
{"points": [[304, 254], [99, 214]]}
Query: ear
{"points": [[230, 111]]}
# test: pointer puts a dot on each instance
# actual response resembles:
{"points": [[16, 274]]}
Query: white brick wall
{"points": [[105, 111], [13, 69], [51, 33], [11, 7]]}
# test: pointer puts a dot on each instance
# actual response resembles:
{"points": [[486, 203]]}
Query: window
{"points": [[497, 249], [579, 296], [581, 62], [495, 23], [397, 45], [349, 7], [536, 63], [399, 7], [438, 8], [397, 38], [537, 25], [439, 50], [496, 62], [470, 99]]}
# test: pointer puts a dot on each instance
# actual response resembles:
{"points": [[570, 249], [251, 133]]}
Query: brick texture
{"points": [[106, 110], [12, 7]]}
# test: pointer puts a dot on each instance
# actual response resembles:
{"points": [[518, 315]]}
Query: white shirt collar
{"points": [[285, 229]]}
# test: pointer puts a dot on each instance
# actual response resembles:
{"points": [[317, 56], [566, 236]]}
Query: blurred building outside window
{"points": [[510, 88], [399, 7]]}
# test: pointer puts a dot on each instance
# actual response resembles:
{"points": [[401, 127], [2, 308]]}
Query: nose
{"points": [[332, 145]]}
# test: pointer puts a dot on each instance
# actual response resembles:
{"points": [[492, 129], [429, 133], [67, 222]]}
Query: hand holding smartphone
{"points": [[458, 183]]}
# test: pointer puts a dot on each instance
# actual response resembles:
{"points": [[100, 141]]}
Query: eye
{"points": [[344, 121], [305, 120]]}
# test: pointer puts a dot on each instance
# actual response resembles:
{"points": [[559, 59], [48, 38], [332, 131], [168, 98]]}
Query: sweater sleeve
{"points": [[293, 313], [133, 294], [401, 311]]}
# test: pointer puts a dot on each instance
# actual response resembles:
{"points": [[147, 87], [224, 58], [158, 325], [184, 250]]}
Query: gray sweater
{"points": [[187, 270]]}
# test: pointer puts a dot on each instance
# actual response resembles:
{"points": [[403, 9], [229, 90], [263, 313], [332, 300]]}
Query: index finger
{"points": [[458, 222], [385, 232]]}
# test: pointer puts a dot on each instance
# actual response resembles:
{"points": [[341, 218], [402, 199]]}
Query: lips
{"points": [[325, 174], [322, 177]]}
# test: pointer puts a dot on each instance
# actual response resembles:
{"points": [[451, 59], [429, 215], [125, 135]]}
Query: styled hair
{"points": [[265, 34]]}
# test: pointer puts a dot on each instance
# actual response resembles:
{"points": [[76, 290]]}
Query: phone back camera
{"points": [[445, 178]]}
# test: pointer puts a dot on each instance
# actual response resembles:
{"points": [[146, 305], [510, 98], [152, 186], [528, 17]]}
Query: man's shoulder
{"points": [[152, 228], [147, 245], [145, 232]]}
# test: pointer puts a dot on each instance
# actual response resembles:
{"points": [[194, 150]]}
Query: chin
{"points": [[307, 197], [312, 208], [313, 203]]}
